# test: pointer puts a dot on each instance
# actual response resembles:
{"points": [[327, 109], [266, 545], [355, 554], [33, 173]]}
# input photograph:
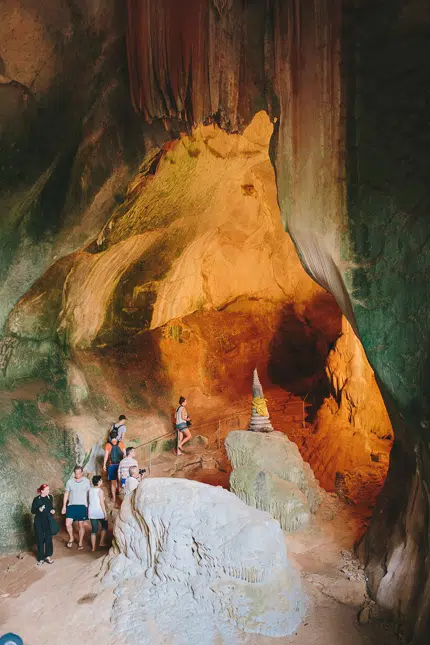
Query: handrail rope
{"points": [[201, 425]]}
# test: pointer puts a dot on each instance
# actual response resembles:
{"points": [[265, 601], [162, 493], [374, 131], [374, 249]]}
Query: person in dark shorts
{"points": [[182, 425], [43, 508], [97, 512], [75, 505], [125, 465], [114, 453]]}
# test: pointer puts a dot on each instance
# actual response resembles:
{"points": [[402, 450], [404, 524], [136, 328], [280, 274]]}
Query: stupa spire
{"points": [[260, 419]]}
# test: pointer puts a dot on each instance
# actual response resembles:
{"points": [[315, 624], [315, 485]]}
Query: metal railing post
{"points": [[150, 459], [303, 403]]}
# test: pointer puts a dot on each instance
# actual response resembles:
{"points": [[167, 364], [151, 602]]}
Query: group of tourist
{"points": [[83, 502]]}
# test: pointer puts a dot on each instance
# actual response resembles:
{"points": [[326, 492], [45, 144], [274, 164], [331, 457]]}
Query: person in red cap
{"points": [[43, 509]]}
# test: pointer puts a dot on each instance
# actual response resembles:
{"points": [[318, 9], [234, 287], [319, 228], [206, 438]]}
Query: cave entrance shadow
{"points": [[299, 349], [134, 367]]}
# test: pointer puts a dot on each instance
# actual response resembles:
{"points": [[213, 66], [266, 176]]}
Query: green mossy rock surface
{"points": [[34, 451]]}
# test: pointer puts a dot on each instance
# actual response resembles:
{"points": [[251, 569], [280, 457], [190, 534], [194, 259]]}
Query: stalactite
{"points": [[187, 62], [310, 165]]}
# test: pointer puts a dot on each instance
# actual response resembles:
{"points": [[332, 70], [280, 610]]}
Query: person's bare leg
{"points": [[81, 534], [103, 538], [113, 488], [93, 541], [186, 436], [179, 444], [69, 529]]}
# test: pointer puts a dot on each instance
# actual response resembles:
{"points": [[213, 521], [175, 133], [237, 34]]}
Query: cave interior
{"points": [[192, 190]]}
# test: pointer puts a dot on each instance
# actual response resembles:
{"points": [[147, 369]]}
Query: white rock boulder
{"points": [[193, 564], [269, 474]]}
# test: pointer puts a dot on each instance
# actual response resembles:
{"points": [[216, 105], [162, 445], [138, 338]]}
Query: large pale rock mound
{"points": [[194, 564], [270, 474]]}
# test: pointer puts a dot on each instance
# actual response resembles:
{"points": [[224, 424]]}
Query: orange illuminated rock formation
{"points": [[200, 234], [349, 448], [189, 285]]}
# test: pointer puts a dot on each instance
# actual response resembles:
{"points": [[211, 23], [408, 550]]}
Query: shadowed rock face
{"points": [[351, 164], [70, 139]]}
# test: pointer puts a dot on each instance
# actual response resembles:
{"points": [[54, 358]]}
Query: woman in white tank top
{"points": [[97, 512], [182, 423]]}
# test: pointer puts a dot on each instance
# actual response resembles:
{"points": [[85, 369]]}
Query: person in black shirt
{"points": [[42, 508]]}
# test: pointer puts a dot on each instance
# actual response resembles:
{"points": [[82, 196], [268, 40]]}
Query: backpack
{"points": [[115, 454], [114, 427]]}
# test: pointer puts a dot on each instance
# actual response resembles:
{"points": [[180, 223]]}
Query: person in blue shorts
{"points": [[182, 425], [75, 505], [114, 453]]}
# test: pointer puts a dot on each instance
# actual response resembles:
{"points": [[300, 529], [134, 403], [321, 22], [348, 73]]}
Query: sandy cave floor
{"points": [[42, 605]]}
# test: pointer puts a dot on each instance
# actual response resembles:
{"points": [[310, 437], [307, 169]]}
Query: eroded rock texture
{"points": [[182, 544], [186, 283], [208, 61], [69, 137], [270, 474]]}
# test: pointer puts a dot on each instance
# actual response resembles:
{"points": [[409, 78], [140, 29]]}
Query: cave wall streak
{"points": [[309, 159], [191, 65]]}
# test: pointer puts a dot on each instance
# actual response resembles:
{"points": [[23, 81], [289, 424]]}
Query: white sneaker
{"points": [[39, 563]]}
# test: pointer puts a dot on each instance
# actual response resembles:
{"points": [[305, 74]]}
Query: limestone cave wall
{"points": [[346, 88], [183, 290], [361, 228], [70, 140], [388, 206]]}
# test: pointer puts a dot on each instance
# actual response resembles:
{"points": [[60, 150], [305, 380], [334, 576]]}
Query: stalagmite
{"points": [[270, 474], [180, 543], [260, 419]]}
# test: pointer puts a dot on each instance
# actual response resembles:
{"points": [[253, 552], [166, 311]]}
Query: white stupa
{"points": [[260, 419]]}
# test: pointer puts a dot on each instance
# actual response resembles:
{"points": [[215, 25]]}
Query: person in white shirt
{"points": [[132, 482], [125, 465], [182, 425], [120, 426], [97, 512]]}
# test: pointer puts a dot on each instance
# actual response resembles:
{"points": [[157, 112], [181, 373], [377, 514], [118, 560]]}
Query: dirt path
{"points": [[42, 605]]}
